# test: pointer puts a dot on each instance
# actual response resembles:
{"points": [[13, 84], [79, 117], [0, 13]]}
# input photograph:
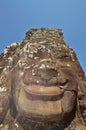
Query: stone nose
{"points": [[47, 74]]}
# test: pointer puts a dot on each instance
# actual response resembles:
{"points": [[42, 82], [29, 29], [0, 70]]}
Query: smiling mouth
{"points": [[43, 93], [48, 93]]}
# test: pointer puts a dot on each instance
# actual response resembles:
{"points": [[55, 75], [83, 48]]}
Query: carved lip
{"points": [[43, 93]]}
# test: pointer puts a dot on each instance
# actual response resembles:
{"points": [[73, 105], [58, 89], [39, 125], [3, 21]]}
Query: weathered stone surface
{"points": [[42, 85]]}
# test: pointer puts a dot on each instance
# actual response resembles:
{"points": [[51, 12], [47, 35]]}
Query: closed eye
{"points": [[63, 57]]}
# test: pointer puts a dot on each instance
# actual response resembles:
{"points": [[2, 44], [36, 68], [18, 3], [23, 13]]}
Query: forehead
{"points": [[42, 53], [44, 49]]}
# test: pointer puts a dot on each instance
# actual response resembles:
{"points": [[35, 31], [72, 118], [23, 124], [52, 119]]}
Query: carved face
{"points": [[44, 83]]}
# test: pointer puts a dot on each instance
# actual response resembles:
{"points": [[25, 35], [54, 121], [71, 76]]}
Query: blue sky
{"points": [[17, 16]]}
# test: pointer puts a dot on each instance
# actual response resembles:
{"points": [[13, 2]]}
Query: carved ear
{"points": [[7, 60], [82, 98], [4, 93]]}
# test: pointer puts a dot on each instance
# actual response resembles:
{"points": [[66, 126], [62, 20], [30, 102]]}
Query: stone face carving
{"points": [[42, 85]]}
